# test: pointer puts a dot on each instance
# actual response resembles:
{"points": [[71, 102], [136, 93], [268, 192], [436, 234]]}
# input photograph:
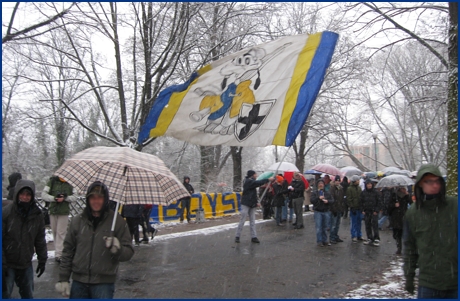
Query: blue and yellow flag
{"points": [[256, 97]]}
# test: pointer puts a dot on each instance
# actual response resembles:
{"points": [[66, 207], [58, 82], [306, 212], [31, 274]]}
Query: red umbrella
{"points": [[288, 175], [327, 168]]}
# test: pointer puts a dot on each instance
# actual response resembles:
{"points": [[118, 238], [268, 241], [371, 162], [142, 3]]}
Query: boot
{"points": [[398, 246]]}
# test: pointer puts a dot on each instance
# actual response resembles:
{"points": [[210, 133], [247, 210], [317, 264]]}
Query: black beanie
{"points": [[337, 178], [250, 173]]}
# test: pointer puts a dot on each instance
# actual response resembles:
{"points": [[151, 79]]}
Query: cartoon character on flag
{"points": [[268, 89], [232, 108]]}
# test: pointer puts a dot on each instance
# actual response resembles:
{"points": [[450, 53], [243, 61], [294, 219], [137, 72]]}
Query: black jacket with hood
{"points": [[370, 199], [23, 231], [430, 236], [85, 255], [189, 187]]}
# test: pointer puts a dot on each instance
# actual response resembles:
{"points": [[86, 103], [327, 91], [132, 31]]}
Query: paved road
{"points": [[286, 264]]}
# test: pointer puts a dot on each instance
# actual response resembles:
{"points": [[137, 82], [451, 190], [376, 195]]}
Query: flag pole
{"points": [[276, 172]]}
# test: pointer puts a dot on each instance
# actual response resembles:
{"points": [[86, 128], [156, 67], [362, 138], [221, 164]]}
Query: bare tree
{"points": [[43, 25]]}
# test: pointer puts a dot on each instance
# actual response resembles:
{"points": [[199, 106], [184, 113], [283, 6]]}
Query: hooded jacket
{"points": [[370, 199], [430, 236], [85, 255], [189, 187], [23, 231], [353, 194]]}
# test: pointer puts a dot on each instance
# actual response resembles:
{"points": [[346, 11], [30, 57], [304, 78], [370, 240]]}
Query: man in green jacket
{"points": [[430, 238], [58, 193], [356, 216], [90, 253]]}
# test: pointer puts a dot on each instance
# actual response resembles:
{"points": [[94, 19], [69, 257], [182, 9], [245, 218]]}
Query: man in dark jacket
{"points": [[321, 201], [297, 189], [185, 202], [23, 234], [371, 206], [12, 179], [397, 208], [353, 193], [249, 204], [337, 209], [91, 255], [430, 238], [133, 215]]}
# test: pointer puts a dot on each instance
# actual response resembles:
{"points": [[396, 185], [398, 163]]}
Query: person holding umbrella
{"points": [[90, 255], [397, 208], [249, 204]]}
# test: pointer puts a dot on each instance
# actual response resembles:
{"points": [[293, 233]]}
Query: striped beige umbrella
{"points": [[132, 177]]}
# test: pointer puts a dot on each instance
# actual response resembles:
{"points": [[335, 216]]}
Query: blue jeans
{"points": [[356, 217], [81, 290], [278, 214], [382, 220], [24, 279], [285, 210], [335, 225], [430, 293], [321, 224]]}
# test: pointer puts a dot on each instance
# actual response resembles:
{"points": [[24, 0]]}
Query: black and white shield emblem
{"points": [[251, 118]]}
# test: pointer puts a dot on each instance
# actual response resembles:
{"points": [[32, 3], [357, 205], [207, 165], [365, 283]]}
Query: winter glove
{"points": [[112, 243], [40, 269], [63, 288], [410, 286]]}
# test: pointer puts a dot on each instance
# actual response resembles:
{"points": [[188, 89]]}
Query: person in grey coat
{"points": [[92, 252]]}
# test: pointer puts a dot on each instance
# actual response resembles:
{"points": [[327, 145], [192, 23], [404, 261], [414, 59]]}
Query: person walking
{"points": [[249, 204], [133, 215], [23, 234], [370, 200], [353, 202], [337, 209], [397, 208], [59, 194], [185, 202], [296, 195], [321, 201], [91, 253], [430, 238], [145, 223]]}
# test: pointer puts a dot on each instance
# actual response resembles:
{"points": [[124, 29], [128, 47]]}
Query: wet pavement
{"points": [[286, 264]]}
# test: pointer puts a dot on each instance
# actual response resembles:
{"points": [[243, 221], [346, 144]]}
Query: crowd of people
{"points": [[424, 224], [89, 251]]}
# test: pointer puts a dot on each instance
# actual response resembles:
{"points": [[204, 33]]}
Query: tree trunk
{"points": [[452, 103], [237, 159]]}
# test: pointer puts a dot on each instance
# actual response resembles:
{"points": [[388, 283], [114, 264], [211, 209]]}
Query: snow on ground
{"points": [[390, 286]]}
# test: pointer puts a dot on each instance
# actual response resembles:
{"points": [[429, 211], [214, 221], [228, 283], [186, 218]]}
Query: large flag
{"points": [[255, 97]]}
